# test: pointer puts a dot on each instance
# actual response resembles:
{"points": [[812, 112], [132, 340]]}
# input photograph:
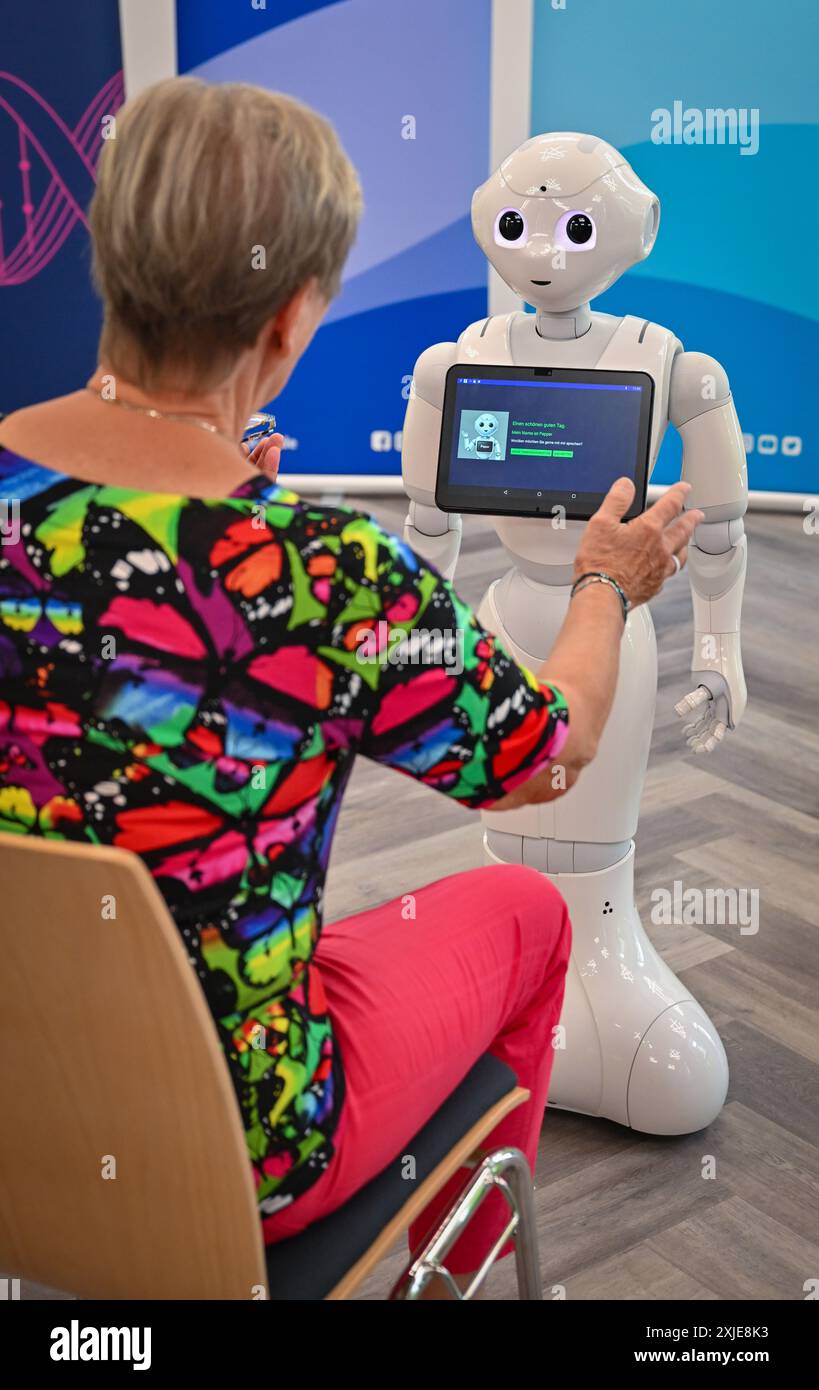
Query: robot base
{"points": [[632, 1045]]}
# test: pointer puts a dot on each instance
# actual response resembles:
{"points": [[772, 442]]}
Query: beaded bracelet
{"points": [[598, 577]]}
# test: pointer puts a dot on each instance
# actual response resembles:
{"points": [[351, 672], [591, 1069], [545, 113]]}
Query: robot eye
{"points": [[579, 229], [510, 228], [576, 232]]}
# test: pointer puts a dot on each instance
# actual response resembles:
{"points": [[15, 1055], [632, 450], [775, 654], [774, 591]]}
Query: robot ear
{"points": [[651, 226], [484, 208], [477, 227]]}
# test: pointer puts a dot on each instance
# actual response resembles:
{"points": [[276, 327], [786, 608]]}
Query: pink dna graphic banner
{"points": [[68, 159], [60, 84]]}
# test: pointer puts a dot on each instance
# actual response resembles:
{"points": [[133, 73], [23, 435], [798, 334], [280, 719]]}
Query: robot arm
{"points": [[433, 534], [702, 410]]}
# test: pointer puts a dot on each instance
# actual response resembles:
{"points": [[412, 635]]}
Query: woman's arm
{"points": [[584, 660]]}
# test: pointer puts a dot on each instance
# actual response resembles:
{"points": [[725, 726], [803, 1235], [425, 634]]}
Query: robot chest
{"points": [[631, 345]]}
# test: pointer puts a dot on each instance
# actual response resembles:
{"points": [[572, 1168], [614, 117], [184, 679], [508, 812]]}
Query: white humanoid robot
{"points": [[560, 220]]}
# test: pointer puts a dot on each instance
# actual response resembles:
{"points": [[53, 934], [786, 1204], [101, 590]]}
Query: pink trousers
{"points": [[418, 990]]}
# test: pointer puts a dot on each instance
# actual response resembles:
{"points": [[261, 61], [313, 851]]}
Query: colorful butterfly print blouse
{"points": [[192, 680]]}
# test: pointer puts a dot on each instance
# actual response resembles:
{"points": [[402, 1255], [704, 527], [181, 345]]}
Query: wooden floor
{"points": [[620, 1215]]}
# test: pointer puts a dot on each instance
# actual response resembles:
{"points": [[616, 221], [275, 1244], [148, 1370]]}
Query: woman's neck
{"points": [[224, 408]]}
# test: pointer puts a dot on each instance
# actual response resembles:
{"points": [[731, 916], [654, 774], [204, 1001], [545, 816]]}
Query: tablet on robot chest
{"points": [[526, 441]]}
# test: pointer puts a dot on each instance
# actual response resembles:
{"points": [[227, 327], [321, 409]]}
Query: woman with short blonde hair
{"points": [[215, 735], [192, 255]]}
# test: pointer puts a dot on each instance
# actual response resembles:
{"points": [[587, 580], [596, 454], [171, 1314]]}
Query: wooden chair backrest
{"points": [[123, 1166]]}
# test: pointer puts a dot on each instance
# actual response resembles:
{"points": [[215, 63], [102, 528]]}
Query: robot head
{"points": [[486, 425], [562, 218]]}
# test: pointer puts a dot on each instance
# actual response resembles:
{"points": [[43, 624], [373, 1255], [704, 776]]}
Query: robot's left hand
{"points": [[711, 709]]}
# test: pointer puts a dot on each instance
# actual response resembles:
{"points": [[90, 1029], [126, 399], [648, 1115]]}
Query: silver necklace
{"points": [[160, 414]]}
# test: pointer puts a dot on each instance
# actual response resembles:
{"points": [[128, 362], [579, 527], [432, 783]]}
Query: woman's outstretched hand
{"points": [[639, 554], [584, 660]]}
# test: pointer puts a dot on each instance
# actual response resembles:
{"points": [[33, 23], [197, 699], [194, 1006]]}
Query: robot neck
{"points": [[573, 323]]}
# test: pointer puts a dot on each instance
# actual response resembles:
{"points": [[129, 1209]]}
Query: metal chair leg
{"points": [[508, 1171]]}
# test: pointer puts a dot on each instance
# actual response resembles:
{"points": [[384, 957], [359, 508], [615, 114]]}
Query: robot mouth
{"points": [[541, 282]]}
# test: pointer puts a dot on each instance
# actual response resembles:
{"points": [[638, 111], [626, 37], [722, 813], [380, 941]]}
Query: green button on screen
{"points": [[546, 453]]}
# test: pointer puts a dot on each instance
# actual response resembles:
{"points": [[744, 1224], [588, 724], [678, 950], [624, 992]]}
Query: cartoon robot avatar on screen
{"points": [[561, 219], [484, 443]]}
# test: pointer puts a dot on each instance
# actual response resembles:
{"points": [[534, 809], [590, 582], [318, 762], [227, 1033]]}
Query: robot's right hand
{"points": [[706, 728], [714, 706]]}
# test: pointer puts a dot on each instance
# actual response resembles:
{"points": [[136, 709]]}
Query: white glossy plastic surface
{"points": [[679, 1079], [638, 1049]]}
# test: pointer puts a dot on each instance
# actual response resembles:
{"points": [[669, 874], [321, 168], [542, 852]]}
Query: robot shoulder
{"points": [[429, 376], [698, 383]]}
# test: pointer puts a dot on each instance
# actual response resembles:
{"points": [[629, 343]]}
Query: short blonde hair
{"points": [[200, 184]]}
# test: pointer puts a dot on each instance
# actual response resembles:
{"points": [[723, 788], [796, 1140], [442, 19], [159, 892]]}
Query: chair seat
{"points": [[310, 1265]]}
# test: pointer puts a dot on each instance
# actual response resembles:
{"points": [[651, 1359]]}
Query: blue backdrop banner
{"points": [[732, 272], [407, 88]]}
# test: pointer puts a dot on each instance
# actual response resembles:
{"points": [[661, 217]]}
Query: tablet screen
{"points": [[526, 440]]}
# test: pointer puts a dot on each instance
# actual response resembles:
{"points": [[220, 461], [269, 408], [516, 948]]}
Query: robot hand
{"points": [[712, 708]]}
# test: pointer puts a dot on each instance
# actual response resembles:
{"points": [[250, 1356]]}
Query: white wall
{"points": [[148, 30]]}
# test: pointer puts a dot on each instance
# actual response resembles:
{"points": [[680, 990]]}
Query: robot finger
{"points": [[692, 700], [697, 726], [710, 741], [700, 736], [711, 738]]}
